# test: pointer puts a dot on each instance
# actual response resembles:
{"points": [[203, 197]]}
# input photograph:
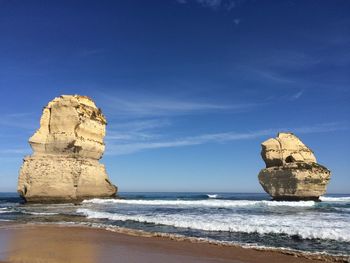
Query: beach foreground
{"points": [[49, 243]]}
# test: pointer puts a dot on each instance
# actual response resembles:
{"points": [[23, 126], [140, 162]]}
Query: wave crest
{"points": [[335, 199], [298, 226], [40, 213], [203, 203]]}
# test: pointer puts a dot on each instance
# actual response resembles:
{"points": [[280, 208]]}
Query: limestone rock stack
{"points": [[291, 172], [67, 147]]}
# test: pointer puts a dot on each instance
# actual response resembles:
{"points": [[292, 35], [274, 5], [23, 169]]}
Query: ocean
{"points": [[233, 218]]}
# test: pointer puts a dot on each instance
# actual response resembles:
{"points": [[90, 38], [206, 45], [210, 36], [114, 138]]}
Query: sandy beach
{"points": [[49, 243]]}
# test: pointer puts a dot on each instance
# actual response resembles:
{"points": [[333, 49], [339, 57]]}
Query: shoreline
{"points": [[148, 242]]}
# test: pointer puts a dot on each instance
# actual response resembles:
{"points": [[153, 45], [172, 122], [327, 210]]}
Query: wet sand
{"points": [[50, 243]]}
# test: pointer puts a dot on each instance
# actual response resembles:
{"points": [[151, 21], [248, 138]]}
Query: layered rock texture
{"points": [[291, 172], [67, 147]]}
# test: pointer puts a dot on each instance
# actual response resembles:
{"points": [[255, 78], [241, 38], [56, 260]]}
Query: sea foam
{"points": [[335, 199], [303, 226], [40, 213], [203, 203]]}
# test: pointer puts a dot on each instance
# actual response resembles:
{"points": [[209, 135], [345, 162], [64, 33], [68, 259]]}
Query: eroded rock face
{"points": [[64, 165], [291, 172]]}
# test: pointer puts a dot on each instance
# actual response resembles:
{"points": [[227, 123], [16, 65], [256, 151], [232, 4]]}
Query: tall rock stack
{"points": [[291, 172], [67, 147]]}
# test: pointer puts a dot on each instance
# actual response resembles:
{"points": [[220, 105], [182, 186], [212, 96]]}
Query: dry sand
{"points": [[50, 243]]}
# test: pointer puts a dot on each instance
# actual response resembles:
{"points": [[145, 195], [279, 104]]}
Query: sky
{"points": [[190, 88]]}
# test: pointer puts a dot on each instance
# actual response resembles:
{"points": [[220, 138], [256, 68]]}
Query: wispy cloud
{"points": [[20, 151], [132, 147], [138, 130], [22, 120], [267, 74], [214, 4], [320, 128], [141, 125], [90, 52], [149, 106], [210, 3], [290, 68], [13, 154], [297, 95], [284, 67], [287, 59]]}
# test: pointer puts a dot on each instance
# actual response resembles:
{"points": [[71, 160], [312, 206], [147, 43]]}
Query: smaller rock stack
{"points": [[291, 172]]}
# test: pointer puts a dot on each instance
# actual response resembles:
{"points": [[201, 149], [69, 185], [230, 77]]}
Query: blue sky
{"points": [[190, 88]]}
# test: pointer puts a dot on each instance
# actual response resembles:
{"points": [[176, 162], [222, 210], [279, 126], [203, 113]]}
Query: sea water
{"points": [[246, 219]]}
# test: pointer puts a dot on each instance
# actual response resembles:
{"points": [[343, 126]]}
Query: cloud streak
{"points": [[297, 95], [140, 130], [23, 120], [151, 106], [132, 147], [236, 21], [15, 151], [268, 75], [214, 4]]}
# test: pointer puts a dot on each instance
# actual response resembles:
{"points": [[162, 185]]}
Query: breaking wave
{"points": [[335, 199], [4, 210], [39, 213], [224, 217], [203, 203], [303, 227]]}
